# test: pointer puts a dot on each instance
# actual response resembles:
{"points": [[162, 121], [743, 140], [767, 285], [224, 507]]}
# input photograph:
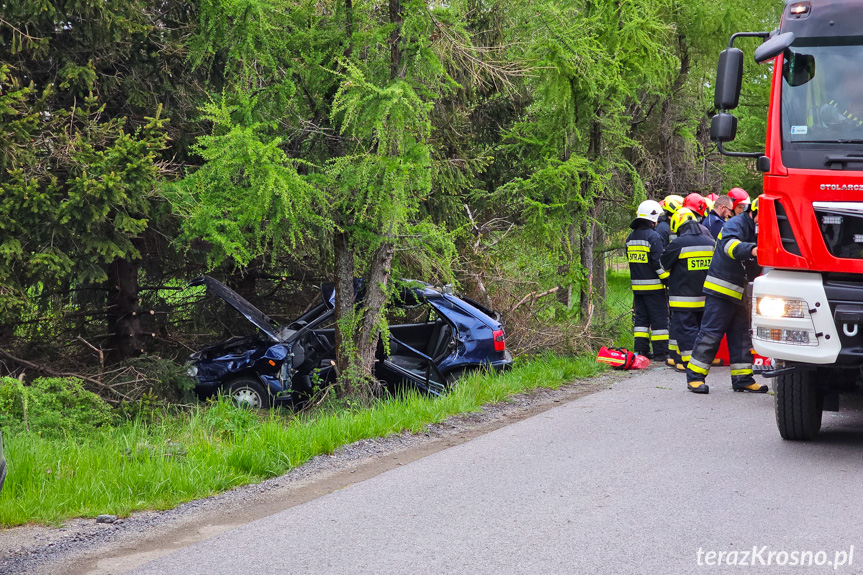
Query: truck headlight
{"points": [[779, 307]]}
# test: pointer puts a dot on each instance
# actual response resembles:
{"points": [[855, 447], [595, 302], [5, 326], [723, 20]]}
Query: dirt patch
{"points": [[82, 546]]}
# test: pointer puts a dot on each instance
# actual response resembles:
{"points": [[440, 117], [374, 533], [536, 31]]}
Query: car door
{"points": [[408, 365]]}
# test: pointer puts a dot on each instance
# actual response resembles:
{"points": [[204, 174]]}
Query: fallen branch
{"points": [[48, 370], [533, 296], [98, 351]]}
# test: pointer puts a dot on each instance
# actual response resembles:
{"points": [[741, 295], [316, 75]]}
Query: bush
{"points": [[51, 407], [162, 378], [227, 419]]}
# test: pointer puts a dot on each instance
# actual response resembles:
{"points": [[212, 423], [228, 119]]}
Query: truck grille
{"points": [[842, 230]]}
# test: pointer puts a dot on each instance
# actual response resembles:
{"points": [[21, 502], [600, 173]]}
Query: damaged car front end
{"points": [[284, 364]]}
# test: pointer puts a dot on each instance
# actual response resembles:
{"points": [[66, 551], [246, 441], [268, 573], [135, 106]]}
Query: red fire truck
{"points": [[807, 308]]}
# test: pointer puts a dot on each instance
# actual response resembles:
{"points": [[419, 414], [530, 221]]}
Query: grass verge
{"points": [[216, 447]]}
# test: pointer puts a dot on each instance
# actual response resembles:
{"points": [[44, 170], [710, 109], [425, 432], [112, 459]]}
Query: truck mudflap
{"points": [[792, 319]]}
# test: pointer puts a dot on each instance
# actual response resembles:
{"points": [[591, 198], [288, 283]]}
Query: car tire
{"points": [[249, 392], [798, 403]]}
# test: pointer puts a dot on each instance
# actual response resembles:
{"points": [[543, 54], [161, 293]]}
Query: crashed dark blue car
{"points": [[283, 364]]}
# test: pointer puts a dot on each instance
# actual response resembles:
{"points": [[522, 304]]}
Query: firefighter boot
{"points": [[697, 387], [752, 388]]}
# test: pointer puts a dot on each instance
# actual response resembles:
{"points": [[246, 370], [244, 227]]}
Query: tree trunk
{"points": [[376, 299], [587, 239], [600, 284], [588, 226], [245, 282], [564, 294], [349, 27], [396, 68], [124, 320], [344, 313], [667, 144]]}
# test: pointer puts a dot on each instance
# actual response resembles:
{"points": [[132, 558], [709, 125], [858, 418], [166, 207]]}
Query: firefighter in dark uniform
{"points": [[687, 259], [669, 205], [643, 250], [732, 268]]}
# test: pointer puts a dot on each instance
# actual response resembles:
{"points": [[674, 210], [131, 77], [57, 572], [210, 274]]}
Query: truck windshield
{"points": [[822, 91]]}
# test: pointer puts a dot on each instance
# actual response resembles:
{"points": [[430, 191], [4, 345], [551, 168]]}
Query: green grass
{"points": [[217, 447]]}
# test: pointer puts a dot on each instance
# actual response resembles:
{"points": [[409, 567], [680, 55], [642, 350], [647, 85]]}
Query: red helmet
{"points": [[738, 196], [711, 197], [696, 203]]}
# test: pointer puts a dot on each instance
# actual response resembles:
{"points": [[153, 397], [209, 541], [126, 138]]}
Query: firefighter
{"points": [[733, 266], [697, 204], [718, 215], [687, 259], [649, 304], [669, 205], [739, 200]]}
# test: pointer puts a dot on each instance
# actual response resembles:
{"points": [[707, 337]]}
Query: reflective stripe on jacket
{"points": [[687, 259], [733, 266], [643, 251]]}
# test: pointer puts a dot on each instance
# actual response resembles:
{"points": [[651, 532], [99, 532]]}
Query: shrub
{"points": [[51, 407]]}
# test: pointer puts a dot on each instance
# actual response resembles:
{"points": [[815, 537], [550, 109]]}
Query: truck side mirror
{"points": [[773, 47], [729, 79], [723, 127]]}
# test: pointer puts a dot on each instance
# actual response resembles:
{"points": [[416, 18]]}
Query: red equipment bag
{"points": [[620, 358]]}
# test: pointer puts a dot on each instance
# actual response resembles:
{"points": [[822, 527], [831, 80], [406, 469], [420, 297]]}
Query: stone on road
{"points": [[643, 477]]}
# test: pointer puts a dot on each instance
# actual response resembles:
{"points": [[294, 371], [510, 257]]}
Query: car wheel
{"points": [[248, 392], [798, 404]]}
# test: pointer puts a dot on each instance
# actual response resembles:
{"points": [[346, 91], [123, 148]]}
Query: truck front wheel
{"points": [[798, 404]]}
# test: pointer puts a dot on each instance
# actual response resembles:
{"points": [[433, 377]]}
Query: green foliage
{"points": [[497, 146], [228, 420], [247, 198], [74, 199], [51, 407]]}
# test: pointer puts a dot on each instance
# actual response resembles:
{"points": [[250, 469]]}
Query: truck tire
{"points": [[798, 405]]}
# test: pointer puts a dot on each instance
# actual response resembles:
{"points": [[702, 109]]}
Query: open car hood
{"points": [[258, 318]]}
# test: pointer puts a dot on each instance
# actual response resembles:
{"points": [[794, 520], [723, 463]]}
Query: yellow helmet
{"points": [[680, 217], [672, 203], [753, 207]]}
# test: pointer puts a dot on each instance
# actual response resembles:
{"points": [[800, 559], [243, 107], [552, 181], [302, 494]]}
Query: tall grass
{"points": [[217, 447]]}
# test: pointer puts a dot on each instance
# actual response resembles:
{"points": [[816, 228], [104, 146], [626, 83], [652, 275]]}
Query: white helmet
{"points": [[649, 210]]}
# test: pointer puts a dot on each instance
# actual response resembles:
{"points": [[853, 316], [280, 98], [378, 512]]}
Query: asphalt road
{"points": [[638, 478]]}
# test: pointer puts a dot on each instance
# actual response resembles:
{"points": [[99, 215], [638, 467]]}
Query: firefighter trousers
{"points": [[651, 323], [723, 317], [685, 324]]}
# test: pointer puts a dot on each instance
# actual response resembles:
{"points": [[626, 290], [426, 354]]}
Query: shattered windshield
{"points": [[822, 91]]}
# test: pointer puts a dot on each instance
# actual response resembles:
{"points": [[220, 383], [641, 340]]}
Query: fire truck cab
{"points": [[807, 308]]}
